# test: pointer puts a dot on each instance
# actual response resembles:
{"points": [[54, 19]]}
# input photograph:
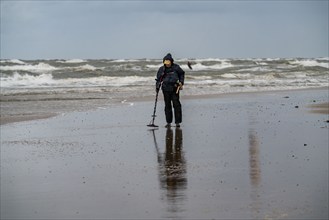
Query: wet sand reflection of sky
{"points": [[254, 172]]}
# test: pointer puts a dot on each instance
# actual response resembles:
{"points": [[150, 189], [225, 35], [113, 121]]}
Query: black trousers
{"points": [[172, 97]]}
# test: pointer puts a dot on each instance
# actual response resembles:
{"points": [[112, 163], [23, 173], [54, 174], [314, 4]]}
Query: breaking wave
{"points": [[213, 75]]}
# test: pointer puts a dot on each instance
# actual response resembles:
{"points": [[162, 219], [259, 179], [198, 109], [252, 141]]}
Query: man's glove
{"points": [[179, 84]]}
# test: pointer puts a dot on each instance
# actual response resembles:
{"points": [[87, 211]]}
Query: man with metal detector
{"points": [[171, 78]]}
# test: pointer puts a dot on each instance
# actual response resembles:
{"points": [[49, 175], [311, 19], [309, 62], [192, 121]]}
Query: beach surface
{"points": [[236, 156]]}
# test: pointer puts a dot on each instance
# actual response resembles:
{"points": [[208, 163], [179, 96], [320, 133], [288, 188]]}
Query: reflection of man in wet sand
{"points": [[172, 170], [174, 162]]}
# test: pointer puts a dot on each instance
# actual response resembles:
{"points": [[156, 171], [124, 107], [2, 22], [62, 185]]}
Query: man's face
{"points": [[167, 63]]}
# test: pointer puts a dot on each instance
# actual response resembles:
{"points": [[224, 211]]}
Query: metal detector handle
{"points": [[179, 86]]}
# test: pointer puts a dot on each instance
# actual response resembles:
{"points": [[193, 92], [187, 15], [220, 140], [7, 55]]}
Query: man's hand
{"points": [[179, 86]]}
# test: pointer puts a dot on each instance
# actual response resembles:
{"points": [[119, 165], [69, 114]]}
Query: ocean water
{"points": [[119, 80]]}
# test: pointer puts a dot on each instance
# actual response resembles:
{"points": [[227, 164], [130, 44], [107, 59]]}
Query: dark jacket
{"points": [[170, 77]]}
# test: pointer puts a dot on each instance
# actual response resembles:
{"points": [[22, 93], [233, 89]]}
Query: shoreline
{"points": [[7, 119], [27, 117]]}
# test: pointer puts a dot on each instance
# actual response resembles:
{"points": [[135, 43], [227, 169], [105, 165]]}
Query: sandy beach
{"points": [[237, 156]]}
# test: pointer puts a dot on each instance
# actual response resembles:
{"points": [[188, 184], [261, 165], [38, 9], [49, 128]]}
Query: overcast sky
{"points": [[150, 29]]}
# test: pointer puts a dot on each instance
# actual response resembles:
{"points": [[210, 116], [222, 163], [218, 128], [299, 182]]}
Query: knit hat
{"points": [[168, 57]]}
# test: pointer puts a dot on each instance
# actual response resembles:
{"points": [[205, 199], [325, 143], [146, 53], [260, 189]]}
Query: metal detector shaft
{"points": [[155, 107]]}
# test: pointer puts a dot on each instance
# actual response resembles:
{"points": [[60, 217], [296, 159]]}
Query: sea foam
{"points": [[38, 68]]}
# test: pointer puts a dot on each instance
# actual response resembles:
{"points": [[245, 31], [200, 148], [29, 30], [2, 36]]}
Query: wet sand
{"points": [[246, 156]]}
